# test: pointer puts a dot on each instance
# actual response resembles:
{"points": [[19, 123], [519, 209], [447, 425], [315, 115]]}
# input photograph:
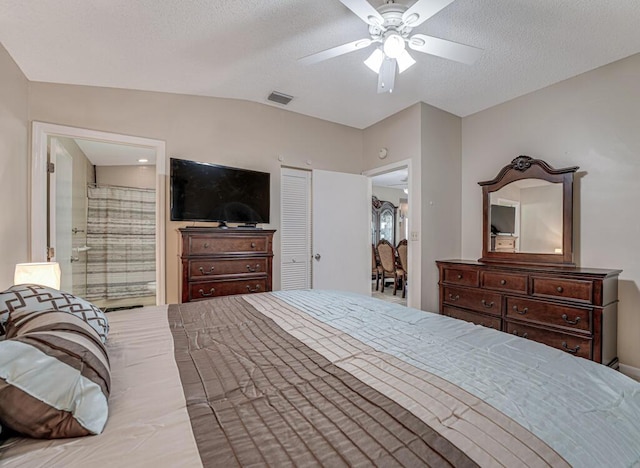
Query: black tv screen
{"points": [[207, 192], [503, 219]]}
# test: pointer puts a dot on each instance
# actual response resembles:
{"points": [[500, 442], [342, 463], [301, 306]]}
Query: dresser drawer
{"points": [[577, 290], [199, 269], [207, 245], [476, 299], [546, 313], [462, 277], [209, 289], [576, 345], [504, 281], [473, 317], [505, 244]]}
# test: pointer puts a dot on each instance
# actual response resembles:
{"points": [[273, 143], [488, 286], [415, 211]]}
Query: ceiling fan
{"points": [[390, 27]]}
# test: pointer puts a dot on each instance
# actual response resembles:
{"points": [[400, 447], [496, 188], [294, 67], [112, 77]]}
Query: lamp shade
{"points": [[44, 274]]}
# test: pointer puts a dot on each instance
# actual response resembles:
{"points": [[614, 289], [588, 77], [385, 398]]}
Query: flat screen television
{"points": [[208, 192], [503, 219]]}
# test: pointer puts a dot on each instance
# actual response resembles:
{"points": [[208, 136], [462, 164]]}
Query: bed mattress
{"points": [[304, 378]]}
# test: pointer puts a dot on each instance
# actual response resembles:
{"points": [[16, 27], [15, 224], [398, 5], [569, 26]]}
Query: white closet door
{"points": [[341, 232], [295, 229]]}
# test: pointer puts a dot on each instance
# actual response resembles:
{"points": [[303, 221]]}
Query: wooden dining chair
{"points": [[390, 269], [376, 269], [402, 257]]}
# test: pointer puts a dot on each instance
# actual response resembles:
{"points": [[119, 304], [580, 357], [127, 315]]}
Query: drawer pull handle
{"points": [[570, 350], [206, 245], [559, 289], [572, 322], [209, 272], [253, 269], [454, 298], [253, 245], [256, 289], [459, 276], [503, 282], [521, 312], [524, 335], [487, 305], [204, 294]]}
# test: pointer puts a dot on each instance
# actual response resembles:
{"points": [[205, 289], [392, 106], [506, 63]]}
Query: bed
{"points": [[305, 378]]}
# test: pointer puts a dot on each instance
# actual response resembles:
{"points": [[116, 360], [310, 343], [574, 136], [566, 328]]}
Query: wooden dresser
{"points": [[569, 308], [222, 262]]}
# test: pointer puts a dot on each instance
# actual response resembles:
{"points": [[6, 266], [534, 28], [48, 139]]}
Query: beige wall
{"points": [[430, 139], [127, 176], [223, 131], [401, 135], [389, 194], [14, 184], [441, 204], [591, 121]]}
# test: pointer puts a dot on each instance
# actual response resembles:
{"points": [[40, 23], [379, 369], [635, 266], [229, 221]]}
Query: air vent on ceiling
{"points": [[280, 98]]}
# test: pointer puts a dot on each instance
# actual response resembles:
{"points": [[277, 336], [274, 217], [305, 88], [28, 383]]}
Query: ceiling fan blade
{"points": [[365, 11], [335, 51], [387, 76], [422, 10], [445, 49]]}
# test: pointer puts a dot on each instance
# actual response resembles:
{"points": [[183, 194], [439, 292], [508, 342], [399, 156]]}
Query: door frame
{"points": [[40, 131], [413, 245]]}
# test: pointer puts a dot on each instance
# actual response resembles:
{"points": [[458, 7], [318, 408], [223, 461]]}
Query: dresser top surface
{"points": [[556, 269], [228, 230]]}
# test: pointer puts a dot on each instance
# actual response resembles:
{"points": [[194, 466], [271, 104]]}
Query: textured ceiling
{"points": [[245, 49]]}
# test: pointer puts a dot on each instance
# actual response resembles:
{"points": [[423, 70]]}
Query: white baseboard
{"points": [[630, 371]]}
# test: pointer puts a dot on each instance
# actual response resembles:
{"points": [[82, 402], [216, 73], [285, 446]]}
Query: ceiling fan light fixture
{"points": [[393, 45], [404, 61], [374, 62]]}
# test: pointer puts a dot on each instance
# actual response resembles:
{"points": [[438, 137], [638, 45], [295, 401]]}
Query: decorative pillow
{"points": [[34, 298], [54, 376]]}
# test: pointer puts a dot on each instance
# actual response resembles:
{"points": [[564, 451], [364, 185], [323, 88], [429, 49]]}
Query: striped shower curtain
{"points": [[121, 233]]}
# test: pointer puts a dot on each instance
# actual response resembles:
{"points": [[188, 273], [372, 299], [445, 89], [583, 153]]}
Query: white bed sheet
{"points": [[141, 431]]}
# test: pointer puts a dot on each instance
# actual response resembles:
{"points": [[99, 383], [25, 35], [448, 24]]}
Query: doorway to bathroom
{"points": [[104, 215]]}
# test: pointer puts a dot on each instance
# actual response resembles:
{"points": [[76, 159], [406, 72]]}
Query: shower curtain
{"points": [[121, 234]]}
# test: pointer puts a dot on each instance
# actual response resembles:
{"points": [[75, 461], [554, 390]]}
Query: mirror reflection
{"points": [[526, 216]]}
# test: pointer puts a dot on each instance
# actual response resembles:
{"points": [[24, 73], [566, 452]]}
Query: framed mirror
{"points": [[528, 214]]}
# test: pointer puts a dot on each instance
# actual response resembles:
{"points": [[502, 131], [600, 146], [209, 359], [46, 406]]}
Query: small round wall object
{"points": [[382, 153]]}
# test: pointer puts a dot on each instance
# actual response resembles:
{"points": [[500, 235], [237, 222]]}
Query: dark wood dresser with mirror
{"points": [[533, 289], [223, 262]]}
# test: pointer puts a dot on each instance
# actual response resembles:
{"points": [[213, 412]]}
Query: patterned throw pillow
{"points": [[54, 376], [34, 298]]}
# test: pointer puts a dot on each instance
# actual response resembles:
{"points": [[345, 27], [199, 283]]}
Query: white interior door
{"points": [[341, 211], [60, 212]]}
